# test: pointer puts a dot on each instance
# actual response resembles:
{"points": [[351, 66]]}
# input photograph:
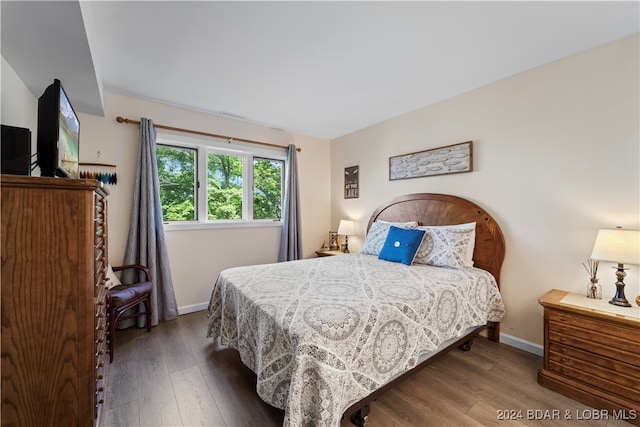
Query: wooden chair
{"points": [[124, 297]]}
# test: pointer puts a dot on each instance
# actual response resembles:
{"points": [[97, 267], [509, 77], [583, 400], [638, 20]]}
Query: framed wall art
{"points": [[351, 190], [456, 158]]}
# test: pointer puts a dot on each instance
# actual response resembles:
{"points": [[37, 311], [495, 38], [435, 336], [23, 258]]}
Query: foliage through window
{"points": [[177, 174], [267, 188], [238, 185], [224, 198]]}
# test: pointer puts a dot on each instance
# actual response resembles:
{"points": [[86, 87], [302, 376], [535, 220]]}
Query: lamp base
{"points": [[619, 299], [620, 302]]}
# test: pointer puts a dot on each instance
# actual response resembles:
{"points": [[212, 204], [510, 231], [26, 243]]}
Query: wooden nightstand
{"points": [[592, 353], [322, 252]]}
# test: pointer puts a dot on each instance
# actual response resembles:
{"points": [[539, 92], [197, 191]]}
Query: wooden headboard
{"points": [[444, 209]]}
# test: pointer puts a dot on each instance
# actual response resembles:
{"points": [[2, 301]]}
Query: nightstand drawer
{"points": [[589, 326], [588, 377], [628, 370], [603, 368], [615, 348]]}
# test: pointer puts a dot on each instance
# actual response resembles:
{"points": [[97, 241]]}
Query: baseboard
{"points": [[527, 346], [192, 308]]}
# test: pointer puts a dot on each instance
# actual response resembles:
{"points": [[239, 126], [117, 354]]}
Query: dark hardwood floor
{"points": [[175, 376]]}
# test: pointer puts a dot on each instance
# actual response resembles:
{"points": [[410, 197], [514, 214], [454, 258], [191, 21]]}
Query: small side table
{"points": [[591, 353], [322, 252]]}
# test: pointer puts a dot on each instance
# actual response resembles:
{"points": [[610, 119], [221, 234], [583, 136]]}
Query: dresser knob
{"points": [[563, 318], [562, 339], [563, 360], [563, 329], [563, 350]]}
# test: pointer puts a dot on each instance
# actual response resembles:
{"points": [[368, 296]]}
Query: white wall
{"points": [[19, 106], [556, 157]]}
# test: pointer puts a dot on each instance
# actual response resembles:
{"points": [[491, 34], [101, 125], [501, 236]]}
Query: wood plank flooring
{"points": [[175, 376]]}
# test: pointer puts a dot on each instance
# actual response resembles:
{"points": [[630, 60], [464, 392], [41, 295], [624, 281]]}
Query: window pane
{"points": [[176, 171], [224, 193], [267, 188]]}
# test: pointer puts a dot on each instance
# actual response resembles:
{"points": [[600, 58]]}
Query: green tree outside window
{"points": [[224, 190]]}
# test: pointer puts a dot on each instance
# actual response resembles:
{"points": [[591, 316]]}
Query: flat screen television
{"points": [[58, 133]]}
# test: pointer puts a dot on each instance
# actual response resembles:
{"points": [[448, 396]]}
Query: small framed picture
{"points": [[351, 182], [333, 241]]}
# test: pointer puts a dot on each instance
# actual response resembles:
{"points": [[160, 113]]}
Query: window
{"points": [[206, 183]]}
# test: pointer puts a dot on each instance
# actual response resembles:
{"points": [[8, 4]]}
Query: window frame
{"points": [[203, 148]]}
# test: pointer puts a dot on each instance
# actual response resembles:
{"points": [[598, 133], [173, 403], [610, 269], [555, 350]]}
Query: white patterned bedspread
{"points": [[323, 333]]}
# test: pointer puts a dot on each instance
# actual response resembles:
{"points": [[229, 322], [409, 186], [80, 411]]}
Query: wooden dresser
{"points": [[54, 259], [592, 353]]}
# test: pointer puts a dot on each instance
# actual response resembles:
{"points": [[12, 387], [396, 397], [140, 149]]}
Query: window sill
{"points": [[220, 225]]}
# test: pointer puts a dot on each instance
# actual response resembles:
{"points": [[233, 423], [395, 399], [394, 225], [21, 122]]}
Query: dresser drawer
{"points": [[610, 330]]}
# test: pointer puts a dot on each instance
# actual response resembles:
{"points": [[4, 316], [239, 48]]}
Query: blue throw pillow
{"points": [[401, 245]]}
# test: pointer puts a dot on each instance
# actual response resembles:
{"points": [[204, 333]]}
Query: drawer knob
{"points": [[563, 329], [563, 360], [563, 318], [563, 349]]}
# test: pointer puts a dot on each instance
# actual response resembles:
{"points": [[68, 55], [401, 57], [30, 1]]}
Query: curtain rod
{"points": [[120, 119]]}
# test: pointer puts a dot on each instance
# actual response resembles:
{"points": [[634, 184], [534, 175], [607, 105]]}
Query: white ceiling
{"points": [[324, 69]]}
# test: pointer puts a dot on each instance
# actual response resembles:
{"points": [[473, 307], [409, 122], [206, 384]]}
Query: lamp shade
{"points": [[617, 245], [346, 228]]}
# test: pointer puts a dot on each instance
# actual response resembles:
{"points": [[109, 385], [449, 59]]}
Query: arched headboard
{"points": [[444, 209]]}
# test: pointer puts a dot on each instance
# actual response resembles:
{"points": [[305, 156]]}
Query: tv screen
{"points": [[58, 133]]}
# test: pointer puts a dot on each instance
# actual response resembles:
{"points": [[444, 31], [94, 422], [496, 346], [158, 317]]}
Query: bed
{"points": [[325, 336]]}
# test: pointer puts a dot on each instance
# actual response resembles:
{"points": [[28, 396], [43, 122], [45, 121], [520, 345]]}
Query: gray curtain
{"points": [[291, 238], [146, 244]]}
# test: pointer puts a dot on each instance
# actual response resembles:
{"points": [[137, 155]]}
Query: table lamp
{"points": [[346, 229], [621, 247]]}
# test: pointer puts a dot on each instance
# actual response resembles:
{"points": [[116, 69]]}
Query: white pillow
{"points": [[447, 246], [112, 280], [377, 235]]}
